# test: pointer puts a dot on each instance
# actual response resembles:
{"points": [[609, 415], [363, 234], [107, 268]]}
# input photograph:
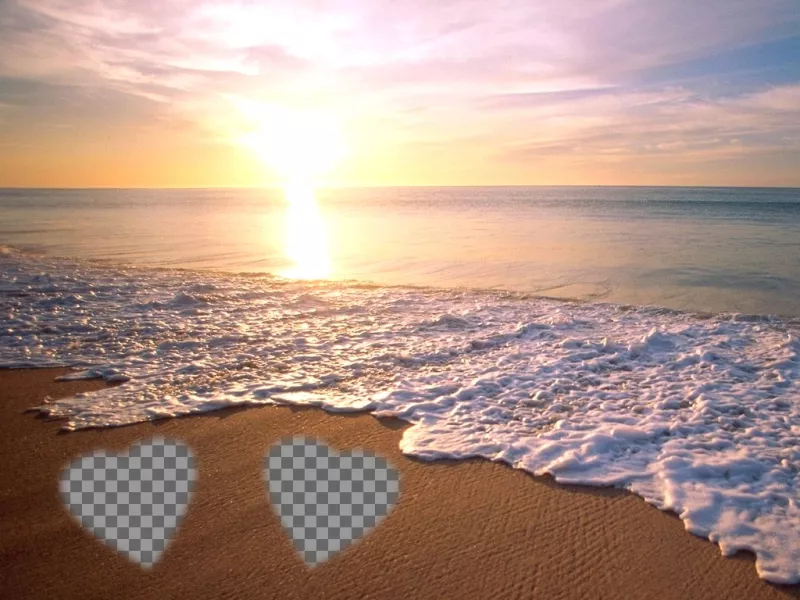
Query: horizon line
{"points": [[428, 186]]}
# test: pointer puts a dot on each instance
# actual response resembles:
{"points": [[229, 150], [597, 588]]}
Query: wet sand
{"points": [[466, 530]]}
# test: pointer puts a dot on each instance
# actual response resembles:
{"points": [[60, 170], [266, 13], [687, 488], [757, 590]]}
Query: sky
{"points": [[204, 93]]}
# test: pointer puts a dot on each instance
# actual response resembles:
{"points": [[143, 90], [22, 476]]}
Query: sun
{"points": [[300, 145]]}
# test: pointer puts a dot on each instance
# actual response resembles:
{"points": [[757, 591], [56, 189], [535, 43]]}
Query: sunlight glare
{"points": [[306, 243], [301, 145]]}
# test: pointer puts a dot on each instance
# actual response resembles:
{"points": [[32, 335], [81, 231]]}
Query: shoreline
{"points": [[472, 529], [790, 320]]}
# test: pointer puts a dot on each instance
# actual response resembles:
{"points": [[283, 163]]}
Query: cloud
{"points": [[677, 126], [525, 78], [595, 39]]}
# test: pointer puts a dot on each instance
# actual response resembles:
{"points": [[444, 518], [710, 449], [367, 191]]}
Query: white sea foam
{"points": [[696, 415]]}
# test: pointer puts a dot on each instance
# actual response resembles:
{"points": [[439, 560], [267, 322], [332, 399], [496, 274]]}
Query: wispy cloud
{"points": [[547, 80]]}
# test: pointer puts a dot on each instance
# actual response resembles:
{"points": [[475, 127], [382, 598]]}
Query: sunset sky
{"points": [[420, 92]]}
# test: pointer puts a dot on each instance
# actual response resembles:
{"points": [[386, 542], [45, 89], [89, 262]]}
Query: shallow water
{"points": [[702, 249]]}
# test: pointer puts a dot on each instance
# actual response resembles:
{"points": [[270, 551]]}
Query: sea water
{"points": [[702, 249], [673, 371]]}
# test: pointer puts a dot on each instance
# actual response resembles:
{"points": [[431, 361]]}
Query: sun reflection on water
{"points": [[305, 236]]}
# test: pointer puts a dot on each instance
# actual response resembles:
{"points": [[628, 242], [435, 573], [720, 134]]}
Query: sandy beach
{"points": [[469, 529]]}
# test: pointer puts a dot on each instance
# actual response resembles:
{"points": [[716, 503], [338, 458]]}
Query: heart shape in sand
{"points": [[326, 500], [133, 502]]}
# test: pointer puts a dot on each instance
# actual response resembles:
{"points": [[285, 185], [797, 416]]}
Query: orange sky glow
{"points": [[215, 94]]}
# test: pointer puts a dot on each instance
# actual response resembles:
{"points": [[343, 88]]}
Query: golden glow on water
{"points": [[305, 236]]}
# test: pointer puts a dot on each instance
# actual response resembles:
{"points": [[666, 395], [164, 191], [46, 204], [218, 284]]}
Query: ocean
{"points": [[698, 249], [642, 338]]}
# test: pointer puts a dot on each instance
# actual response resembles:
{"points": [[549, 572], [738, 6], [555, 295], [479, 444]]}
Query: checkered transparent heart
{"points": [[132, 502], [326, 500]]}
